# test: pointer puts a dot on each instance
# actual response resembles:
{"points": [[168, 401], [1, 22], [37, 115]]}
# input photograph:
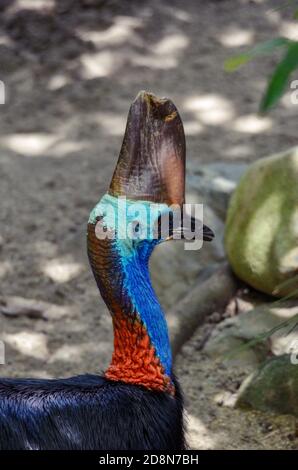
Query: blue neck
{"points": [[145, 301]]}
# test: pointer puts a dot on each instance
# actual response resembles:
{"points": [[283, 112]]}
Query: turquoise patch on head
{"points": [[119, 213]]}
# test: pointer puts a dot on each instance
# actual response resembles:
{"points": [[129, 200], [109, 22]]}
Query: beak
{"points": [[198, 229], [192, 227], [208, 234]]}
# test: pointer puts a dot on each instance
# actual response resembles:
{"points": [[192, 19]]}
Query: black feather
{"points": [[88, 412]]}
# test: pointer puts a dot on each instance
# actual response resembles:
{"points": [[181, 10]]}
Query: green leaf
{"points": [[280, 78], [296, 15], [233, 63], [268, 46]]}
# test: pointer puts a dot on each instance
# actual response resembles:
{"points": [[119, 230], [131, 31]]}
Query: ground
{"points": [[71, 69]]}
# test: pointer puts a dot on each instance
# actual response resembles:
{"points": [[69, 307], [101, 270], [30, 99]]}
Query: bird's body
{"points": [[137, 403], [87, 412]]}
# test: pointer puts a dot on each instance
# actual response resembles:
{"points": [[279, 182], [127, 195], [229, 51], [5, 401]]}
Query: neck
{"points": [[142, 353]]}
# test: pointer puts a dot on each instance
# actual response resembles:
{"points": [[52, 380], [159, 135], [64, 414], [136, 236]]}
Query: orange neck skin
{"points": [[134, 359]]}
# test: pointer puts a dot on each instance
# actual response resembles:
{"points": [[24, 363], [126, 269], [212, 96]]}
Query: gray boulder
{"points": [[237, 340], [261, 236]]}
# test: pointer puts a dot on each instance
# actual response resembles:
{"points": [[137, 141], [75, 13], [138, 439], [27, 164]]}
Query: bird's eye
{"points": [[101, 228], [136, 229], [136, 226]]}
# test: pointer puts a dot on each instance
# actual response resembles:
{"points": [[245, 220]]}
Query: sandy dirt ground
{"points": [[71, 69]]}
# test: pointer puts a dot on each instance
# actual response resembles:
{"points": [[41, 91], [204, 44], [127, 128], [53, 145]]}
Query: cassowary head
{"points": [[145, 200]]}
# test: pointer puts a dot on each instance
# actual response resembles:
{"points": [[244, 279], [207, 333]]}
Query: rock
{"points": [[226, 398], [229, 338], [273, 388], [261, 236], [214, 183], [202, 300]]}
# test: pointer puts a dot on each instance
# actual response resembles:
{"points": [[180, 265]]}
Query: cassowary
{"points": [[137, 403]]}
